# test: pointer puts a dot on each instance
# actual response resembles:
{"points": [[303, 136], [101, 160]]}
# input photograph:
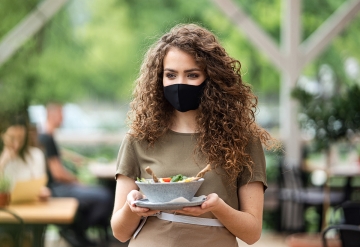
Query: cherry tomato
{"points": [[167, 180]]}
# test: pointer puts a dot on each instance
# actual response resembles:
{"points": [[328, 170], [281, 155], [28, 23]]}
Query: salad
{"points": [[179, 178]]}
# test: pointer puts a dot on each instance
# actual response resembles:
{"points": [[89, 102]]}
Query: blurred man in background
{"points": [[95, 202]]}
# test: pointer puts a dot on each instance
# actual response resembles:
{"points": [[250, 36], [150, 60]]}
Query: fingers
{"points": [[211, 202], [135, 195], [144, 212], [192, 211]]}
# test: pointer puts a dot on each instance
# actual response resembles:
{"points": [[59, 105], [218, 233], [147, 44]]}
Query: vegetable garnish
{"points": [[179, 178], [142, 180], [166, 180]]}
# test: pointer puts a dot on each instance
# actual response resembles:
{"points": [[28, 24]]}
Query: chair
{"points": [[295, 198], [351, 212], [349, 227], [15, 230], [349, 235]]}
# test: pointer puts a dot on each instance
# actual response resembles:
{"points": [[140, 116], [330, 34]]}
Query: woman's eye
{"points": [[170, 75], [193, 75]]}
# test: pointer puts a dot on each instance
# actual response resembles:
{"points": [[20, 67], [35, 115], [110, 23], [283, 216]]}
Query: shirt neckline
{"points": [[183, 134]]}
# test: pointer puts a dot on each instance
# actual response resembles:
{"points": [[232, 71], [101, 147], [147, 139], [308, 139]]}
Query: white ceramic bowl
{"points": [[165, 192]]}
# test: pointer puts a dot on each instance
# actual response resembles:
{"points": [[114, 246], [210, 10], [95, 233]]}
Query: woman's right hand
{"points": [[133, 196]]}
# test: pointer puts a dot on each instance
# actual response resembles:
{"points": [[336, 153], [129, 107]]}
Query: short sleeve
{"points": [[39, 160], [127, 161], [48, 143], [256, 152]]}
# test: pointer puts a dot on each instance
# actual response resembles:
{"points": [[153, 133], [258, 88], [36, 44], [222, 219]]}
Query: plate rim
{"points": [[162, 205]]}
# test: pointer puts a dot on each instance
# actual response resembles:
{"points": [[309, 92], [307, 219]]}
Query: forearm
{"points": [[124, 223], [59, 173], [74, 157], [65, 177], [243, 225]]}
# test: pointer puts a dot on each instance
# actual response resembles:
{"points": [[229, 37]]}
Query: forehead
{"points": [[177, 57], [54, 109], [17, 130]]}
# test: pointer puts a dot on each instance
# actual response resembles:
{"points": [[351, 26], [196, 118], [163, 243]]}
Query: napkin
{"points": [[180, 199]]}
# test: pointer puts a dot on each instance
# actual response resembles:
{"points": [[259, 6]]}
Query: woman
{"points": [[191, 108], [18, 160]]}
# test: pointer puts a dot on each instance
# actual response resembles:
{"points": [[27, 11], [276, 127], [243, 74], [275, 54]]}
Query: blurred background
{"points": [[86, 54]]}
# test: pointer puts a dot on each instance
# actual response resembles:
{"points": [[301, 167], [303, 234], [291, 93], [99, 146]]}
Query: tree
{"points": [[17, 77]]}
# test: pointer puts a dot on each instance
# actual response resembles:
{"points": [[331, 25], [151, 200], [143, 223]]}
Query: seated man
{"points": [[95, 202]]}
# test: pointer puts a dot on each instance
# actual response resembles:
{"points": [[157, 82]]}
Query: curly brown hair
{"points": [[226, 120]]}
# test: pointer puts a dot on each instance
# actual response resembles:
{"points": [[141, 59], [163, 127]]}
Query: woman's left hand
{"points": [[211, 203]]}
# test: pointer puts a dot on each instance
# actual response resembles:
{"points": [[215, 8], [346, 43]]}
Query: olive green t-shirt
{"points": [[174, 154]]}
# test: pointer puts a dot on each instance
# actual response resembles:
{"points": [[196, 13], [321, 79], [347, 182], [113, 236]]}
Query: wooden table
{"points": [[39, 214]]}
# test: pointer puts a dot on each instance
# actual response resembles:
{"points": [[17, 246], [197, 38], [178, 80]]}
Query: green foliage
{"points": [[315, 13], [13, 11], [92, 49], [18, 77], [267, 13], [272, 166], [102, 153], [332, 119], [342, 47], [5, 184]]}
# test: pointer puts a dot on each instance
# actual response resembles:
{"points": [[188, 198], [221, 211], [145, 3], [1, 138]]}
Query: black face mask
{"points": [[184, 97]]}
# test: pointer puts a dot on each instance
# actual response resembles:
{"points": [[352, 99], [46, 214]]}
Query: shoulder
{"points": [[254, 146], [35, 151], [45, 138], [128, 138], [36, 154]]}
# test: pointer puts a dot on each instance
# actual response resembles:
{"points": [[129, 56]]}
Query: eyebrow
{"points": [[188, 70]]}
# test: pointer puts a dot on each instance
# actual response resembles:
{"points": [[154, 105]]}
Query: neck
{"points": [[49, 128], [184, 122]]}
